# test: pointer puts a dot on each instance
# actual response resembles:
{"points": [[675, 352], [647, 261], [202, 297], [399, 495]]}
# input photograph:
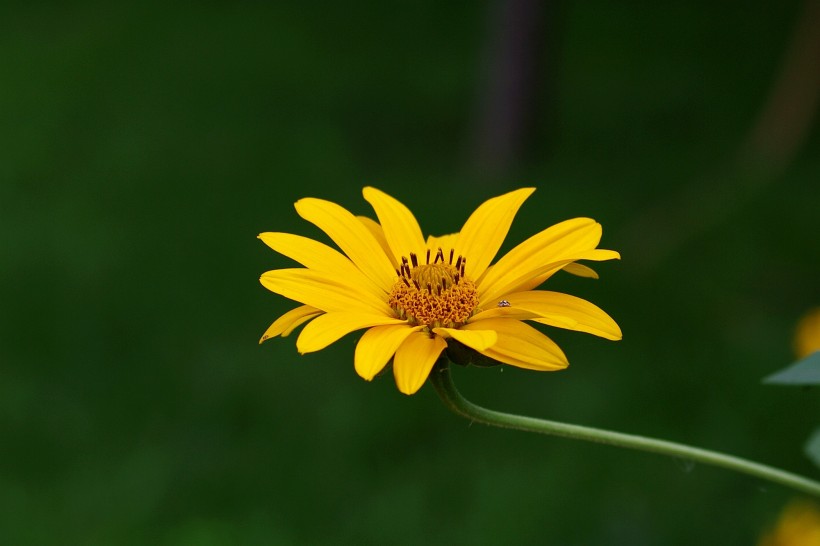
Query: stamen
{"points": [[435, 293]]}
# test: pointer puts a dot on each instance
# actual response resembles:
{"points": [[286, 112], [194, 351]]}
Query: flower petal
{"points": [[414, 359], [444, 242], [322, 291], [400, 226], [330, 327], [476, 339], [485, 230], [580, 270], [377, 346], [291, 320], [317, 256], [376, 230], [505, 312], [550, 245], [353, 238], [565, 311], [521, 345], [527, 279]]}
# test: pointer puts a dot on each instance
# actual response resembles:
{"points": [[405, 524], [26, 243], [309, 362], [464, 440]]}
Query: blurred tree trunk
{"points": [[789, 112], [775, 138], [510, 85]]}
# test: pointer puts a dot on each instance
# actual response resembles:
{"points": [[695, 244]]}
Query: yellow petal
{"points": [[330, 327], [520, 280], [317, 256], [485, 230], [444, 242], [565, 311], [521, 345], [596, 255], [550, 245], [352, 237], [505, 312], [377, 346], [414, 359], [322, 291], [476, 339], [580, 270], [400, 226], [291, 320], [376, 230]]}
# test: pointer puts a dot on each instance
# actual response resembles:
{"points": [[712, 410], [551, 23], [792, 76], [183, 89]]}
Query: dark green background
{"points": [[145, 145]]}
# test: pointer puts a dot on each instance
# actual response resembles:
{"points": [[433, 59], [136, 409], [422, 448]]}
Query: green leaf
{"points": [[805, 371], [812, 448]]}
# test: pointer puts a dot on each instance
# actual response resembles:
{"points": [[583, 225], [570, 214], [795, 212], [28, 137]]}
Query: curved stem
{"points": [[443, 383]]}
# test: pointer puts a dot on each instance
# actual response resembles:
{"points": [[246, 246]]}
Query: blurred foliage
{"points": [[145, 145], [805, 371]]}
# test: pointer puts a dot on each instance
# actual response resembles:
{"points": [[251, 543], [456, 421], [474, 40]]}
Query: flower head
{"points": [[415, 295]]}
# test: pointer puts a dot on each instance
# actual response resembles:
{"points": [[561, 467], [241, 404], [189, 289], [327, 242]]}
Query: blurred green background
{"points": [[146, 144]]}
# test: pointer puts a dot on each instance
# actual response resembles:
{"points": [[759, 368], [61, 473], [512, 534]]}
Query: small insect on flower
{"points": [[415, 295]]}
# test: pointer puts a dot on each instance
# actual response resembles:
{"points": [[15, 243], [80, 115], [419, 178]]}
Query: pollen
{"points": [[433, 294]]}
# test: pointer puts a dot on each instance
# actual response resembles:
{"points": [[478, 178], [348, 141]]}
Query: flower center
{"points": [[433, 294]]}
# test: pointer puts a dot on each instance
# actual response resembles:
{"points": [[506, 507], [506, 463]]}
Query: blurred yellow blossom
{"points": [[799, 525], [807, 334]]}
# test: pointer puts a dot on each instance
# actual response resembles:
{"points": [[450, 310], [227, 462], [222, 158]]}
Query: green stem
{"points": [[443, 383]]}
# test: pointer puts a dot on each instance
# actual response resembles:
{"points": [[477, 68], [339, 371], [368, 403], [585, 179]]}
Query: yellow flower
{"points": [[414, 294], [807, 336], [799, 525]]}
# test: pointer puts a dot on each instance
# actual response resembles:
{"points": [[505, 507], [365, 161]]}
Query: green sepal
{"points": [[805, 371], [460, 354]]}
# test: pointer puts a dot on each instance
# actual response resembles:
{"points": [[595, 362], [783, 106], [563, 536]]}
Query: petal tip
{"points": [[410, 391]]}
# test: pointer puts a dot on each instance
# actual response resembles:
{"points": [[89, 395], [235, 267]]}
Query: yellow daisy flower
{"points": [[799, 525], [807, 336], [416, 295]]}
